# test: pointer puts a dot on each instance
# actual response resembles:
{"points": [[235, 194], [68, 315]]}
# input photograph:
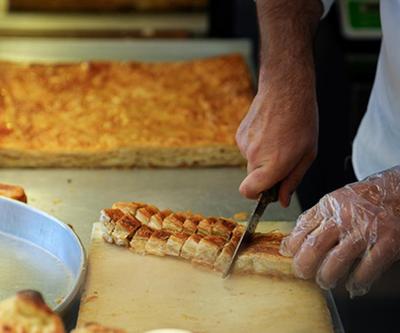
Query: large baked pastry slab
{"points": [[105, 114]]}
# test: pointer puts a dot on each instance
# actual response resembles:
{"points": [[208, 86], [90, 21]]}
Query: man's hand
{"points": [[359, 223], [278, 137]]}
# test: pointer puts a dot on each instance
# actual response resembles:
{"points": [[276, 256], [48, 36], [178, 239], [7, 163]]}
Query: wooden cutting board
{"points": [[139, 293]]}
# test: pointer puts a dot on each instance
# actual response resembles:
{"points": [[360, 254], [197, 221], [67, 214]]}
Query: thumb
{"points": [[257, 181]]}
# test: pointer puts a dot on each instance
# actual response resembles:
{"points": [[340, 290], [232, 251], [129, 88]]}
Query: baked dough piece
{"points": [[207, 250], [105, 114], [206, 225], [226, 254], [96, 328], [205, 241], [144, 214], [262, 255], [124, 229], [108, 217], [174, 222], [156, 221], [140, 239], [13, 192], [191, 223], [28, 313], [223, 228], [175, 244], [128, 207], [157, 243], [189, 249]]}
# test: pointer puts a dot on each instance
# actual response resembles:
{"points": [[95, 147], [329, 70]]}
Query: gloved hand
{"points": [[357, 224]]}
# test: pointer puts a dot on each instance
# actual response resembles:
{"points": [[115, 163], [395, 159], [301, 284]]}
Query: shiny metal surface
{"points": [[39, 252], [77, 196], [79, 49], [336, 321], [60, 24]]}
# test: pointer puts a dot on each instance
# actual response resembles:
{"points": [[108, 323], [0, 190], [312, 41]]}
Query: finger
{"points": [[257, 181], [373, 263], [306, 223], [242, 140], [290, 184], [339, 260], [315, 248]]}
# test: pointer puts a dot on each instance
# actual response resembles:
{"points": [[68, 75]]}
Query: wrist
{"points": [[296, 76]]}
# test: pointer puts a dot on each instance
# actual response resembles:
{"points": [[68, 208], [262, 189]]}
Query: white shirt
{"points": [[377, 143]]}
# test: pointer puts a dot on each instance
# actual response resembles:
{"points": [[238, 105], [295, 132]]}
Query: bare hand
{"points": [[278, 136]]}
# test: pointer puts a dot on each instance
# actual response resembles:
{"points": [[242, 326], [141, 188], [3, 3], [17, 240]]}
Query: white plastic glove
{"points": [[357, 224]]}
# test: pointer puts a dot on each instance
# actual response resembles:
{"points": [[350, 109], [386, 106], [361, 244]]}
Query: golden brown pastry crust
{"points": [[96, 328], [27, 312], [175, 244], [209, 241], [125, 227], [13, 192], [103, 114], [140, 239]]}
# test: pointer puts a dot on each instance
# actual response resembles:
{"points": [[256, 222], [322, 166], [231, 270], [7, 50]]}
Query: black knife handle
{"points": [[268, 196], [272, 194]]}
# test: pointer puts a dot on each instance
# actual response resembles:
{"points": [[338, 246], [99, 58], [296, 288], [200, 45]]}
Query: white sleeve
{"points": [[327, 5]]}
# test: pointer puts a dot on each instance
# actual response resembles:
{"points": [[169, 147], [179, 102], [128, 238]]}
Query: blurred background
{"points": [[346, 52]]}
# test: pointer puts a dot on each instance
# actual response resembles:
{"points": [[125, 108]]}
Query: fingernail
{"points": [[356, 289], [298, 272], [323, 284], [283, 250]]}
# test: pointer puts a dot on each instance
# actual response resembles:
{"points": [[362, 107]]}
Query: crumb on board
{"points": [[56, 201], [90, 298], [59, 299], [241, 216]]}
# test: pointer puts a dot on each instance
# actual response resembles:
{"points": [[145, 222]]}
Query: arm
{"points": [[278, 137]]}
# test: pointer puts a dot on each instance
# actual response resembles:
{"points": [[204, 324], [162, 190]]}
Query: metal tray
{"points": [[41, 253]]}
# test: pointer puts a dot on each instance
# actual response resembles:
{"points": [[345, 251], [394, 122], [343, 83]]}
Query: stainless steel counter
{"points": [[76, 196]]}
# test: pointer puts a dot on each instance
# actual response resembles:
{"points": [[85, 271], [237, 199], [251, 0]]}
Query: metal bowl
{"points": [[39, 252]]}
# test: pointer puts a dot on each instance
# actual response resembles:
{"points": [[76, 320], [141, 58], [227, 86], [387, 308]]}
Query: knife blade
{"points": [[266, 198]]}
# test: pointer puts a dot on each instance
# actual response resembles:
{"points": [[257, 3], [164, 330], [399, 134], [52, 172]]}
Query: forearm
{"points": [[287, 30], [278, 136]]}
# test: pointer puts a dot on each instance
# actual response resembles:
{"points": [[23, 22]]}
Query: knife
{"points": [[266, 198]]}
